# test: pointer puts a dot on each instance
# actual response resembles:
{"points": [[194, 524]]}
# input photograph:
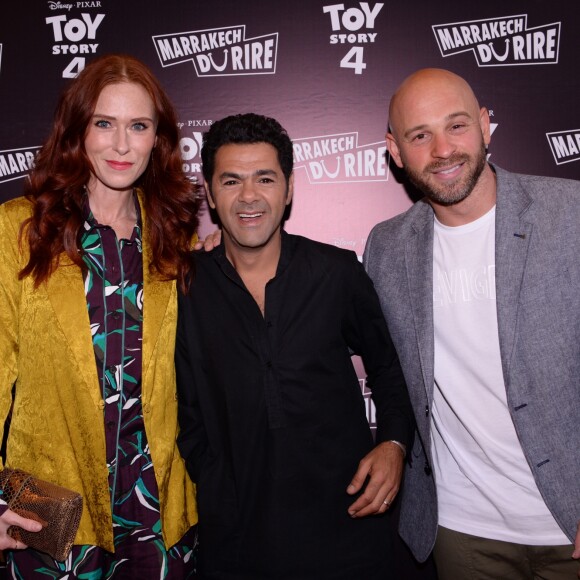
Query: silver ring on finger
{"points": [[387, 502]]}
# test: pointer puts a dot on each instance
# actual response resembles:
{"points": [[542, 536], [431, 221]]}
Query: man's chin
{"points": [[441, 196], [448, 199]]}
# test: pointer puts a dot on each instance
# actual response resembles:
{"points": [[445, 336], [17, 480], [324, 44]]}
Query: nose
{"points": [[442, 146], [121, 142], [247, 191]]}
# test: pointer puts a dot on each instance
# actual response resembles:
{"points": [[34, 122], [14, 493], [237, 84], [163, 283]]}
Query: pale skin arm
{"points": [[384, 467], [10, 518], [211, 241]]}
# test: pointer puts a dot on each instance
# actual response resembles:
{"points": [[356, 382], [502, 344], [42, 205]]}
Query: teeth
{"points": [[250, 215], [449, 169]]}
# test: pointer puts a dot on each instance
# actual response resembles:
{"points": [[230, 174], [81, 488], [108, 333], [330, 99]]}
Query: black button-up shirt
{"points": [[272, 417]]}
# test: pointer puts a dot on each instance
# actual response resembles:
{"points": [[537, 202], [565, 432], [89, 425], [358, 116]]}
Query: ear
{"points": [[393, 149], [290, 189], [208, 194], [484, 123]]}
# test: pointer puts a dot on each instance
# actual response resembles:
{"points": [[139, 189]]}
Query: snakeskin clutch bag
{"points": [[58, 509]]}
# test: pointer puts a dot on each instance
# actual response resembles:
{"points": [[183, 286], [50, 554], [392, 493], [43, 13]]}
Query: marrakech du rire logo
{"points": [[565, 145], [16, 163], [219, 51], [504, 41], [339, 158]]}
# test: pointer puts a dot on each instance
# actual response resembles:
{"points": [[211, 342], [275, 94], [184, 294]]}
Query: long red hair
{"points": [[62, 169]]}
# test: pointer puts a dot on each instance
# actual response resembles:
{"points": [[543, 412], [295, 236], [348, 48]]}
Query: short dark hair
{"points": [[246, 128]]}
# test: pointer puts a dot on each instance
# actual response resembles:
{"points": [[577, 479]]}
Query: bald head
{"points": [[438, 134], [421, 93]]}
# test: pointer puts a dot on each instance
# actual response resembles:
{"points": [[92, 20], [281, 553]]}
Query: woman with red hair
{"points": [[90, 262]]}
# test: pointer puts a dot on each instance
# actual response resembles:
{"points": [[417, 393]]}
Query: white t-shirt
{"points": [[484, 484]]}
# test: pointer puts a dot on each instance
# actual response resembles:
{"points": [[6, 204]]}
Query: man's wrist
{"points": [[400, 445]]}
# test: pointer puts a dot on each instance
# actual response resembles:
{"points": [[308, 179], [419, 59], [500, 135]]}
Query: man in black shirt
{"points": [[272, 418]]}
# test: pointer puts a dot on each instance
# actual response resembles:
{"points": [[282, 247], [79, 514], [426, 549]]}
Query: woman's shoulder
{"points": [[16, 210], [12, 214]]}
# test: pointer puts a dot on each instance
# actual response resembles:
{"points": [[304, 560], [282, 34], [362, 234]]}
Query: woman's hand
{"points": [[10, 518]]}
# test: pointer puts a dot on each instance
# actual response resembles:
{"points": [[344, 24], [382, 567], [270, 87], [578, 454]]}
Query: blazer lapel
{"points": [[512, 242], [66, 293], [156, 301], [419, 262], [157, 295]]}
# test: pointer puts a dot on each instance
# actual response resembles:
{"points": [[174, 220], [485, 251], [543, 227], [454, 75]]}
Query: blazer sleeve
{"points": [[369, 337], [10, 289]]}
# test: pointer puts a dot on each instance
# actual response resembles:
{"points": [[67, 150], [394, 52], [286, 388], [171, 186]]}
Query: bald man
{"points": [[480, 286]]}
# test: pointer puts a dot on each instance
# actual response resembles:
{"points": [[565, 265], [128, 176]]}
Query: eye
{"points": [[102, 123], [419, 138], [140, 126], [266, 180], [459, 127]]}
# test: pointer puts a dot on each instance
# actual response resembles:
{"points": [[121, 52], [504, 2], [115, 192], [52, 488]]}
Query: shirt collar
{"points": [[288, 246]]}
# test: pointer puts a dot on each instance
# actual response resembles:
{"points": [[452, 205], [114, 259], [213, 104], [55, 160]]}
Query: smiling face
{"points": [[439, 135], [250, 194], [120, 137]]}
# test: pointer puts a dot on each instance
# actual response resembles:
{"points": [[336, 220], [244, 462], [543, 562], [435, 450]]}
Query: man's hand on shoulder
{"points": [[210, 242]]}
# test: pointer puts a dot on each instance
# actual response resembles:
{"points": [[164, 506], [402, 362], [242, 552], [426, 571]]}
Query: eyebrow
{"points": [[449, 117], [257, 173], [113, 118]]}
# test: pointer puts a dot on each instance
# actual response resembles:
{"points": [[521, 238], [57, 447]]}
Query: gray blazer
{"points": [[538, 308]]}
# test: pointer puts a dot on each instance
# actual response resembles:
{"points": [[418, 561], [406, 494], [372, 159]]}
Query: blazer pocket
{"points": [[552, 288]]}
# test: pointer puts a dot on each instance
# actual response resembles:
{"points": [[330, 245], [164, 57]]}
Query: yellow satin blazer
{"points": [[57, 428]]}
